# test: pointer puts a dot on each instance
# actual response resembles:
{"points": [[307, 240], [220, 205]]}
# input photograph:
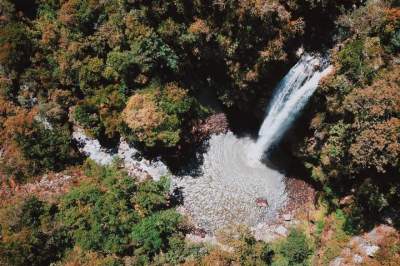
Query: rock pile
{"points": [[214, 124], [360, 249], [132, 161], [50, 185]]}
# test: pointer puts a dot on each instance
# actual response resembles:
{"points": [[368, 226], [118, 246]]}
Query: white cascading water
{"points": [[290, 96], [229, 186], [232, 176]]}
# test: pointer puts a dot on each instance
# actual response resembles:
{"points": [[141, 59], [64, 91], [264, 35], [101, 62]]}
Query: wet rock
{"points": [[300, 52], [388, 220], [369, 250], [200, 232], [214, 124], [281, 230], [317, 66], [262, 202], [357, 259], [346, 200], [287, 217]]}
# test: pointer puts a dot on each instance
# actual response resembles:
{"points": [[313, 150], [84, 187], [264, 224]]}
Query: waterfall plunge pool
{"points": [[232, 177]]}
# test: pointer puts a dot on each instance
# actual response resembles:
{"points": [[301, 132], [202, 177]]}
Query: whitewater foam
{"points": [[227, 191], [290, 97], [232, 178]]}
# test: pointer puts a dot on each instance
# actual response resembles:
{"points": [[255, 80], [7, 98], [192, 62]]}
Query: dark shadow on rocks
{"points": [[176, 197], [27, 7]]}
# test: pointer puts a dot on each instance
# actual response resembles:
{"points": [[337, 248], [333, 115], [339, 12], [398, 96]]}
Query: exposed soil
{"points": [[48, 187], [301, 195]]}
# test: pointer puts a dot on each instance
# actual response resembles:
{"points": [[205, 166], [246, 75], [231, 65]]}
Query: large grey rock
{"points": [[287, 217], [337, 262], [281, 230], [357, 259], [369, 250]]}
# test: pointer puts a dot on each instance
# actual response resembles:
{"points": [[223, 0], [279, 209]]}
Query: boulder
{"points": [[200, 232], [357, 259], [346, 201], [261, 202], [287, 217], [214, 124], [281, 230], [369, 250], [337, 262]]}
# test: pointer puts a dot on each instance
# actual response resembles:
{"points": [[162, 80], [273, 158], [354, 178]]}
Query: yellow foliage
{"points": [[217, 257], [199, 26], [13, 120], [174, 92], [67, 12], [378, 146], [136, 29], [78, 257], [141, 113]]}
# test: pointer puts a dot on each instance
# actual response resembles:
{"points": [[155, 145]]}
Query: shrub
{"points": [[246, 249], [15, 46], [80, 257], [46, 148], [353, 63], [112, 215], [90, 75], [355, 148], [156, 115], [30, 235], [152, 196], [87, 115], [150, 234], [296, 248], [100, 219]]}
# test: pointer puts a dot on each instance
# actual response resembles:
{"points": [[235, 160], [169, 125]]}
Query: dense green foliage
{"points": [[138, 70], [46, 148], [134, 68], [110, 219], [30, 234], [296, 248], [355, 148], [101, 53], [109, 213]]}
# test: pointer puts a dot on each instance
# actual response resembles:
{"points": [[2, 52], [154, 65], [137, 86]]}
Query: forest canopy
{"points": [[148, 72]]}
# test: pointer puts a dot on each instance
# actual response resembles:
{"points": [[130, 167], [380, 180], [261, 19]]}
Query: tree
{"points": [[156, 115], [46, 148], [15, 46], [296, 248], [111, 214], [30, 235], [152, 233]]}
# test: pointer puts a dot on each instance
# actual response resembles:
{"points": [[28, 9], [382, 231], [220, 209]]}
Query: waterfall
{"points": [[230, 183], [233, 177], [227, 190], [290, 96]]}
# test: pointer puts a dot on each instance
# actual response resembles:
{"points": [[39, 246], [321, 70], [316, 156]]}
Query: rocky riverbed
{"points": [[227, 189]]}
